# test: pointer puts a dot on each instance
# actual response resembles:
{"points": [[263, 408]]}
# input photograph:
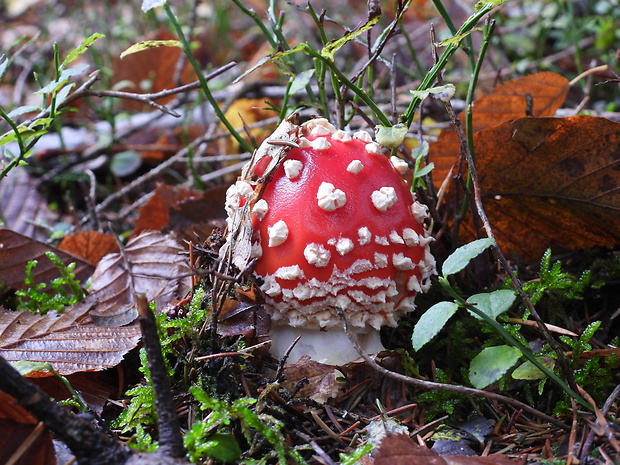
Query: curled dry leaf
{"points": [[16, 250], [152, 264], [324, 381]]}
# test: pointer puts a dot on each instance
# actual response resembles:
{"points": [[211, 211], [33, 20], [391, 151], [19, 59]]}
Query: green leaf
{"points": [[461, 257], [443, 93], [334, 45], [25, 366], [528, 371], [125, 163], [4, 65], [456, 39], [489, 4], [222, 447], [149, 44], [86, 43], [420, 151], [493, 303], [433, 320], [491, 364], [300, 81], [424, 171], [22, 110], [390, 136]]}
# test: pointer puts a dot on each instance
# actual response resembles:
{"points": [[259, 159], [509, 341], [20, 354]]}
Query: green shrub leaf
{"points": [[491, 364], [461, 257], [431, 323], [493, 303]]}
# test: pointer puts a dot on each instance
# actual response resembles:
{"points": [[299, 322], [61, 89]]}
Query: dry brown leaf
{"points": [[175, 208], [16, 250], [22, 208], [323, 380], [508, 101], [401, 450], [89, 245], [70, 342], [551, 182], [18, 426], [159, 270]]}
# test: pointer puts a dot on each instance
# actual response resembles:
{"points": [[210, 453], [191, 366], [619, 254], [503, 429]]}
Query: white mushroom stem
{"points": [[331, 347]]}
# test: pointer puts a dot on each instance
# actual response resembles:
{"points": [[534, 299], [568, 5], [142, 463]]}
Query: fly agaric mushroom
{"points": [[336, 227]]}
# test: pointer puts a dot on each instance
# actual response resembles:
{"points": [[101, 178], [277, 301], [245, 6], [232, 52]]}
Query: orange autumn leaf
{"points": [[89, 245], [551, 182]]}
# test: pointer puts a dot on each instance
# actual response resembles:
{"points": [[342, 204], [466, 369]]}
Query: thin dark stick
{"points": [[170, 438]]}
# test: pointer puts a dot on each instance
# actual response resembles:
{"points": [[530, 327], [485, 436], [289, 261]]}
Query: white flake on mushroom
{"points": [[395, 238], [402, 263], [363, 136], [344, 245], [364, 235], [342, 136], [381, 260], [317, 255], [278, 233], [382, 240], [290, 273], [411, 237], [384, 198], [292, 168], [401, 165], [355, 167], [374, 148], [329, 197], [260, 208], [320, 143]]}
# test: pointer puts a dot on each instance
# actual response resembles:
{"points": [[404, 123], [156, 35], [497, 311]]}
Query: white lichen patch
{"points": [[384, 198], [355, 167], [278, 233], [342, 136], [382, 240], [344, 245], [401, 165], [329, 198], [260, 208], [363, 136], [317, 255], [289, 273], [395, 238], [292, 168], [402, 263], [364, 235], [381, 260], [411, 237], [320, 143], [374, 148]]}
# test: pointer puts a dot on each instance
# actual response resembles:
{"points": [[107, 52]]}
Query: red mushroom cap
{"points": [[338, 227]]}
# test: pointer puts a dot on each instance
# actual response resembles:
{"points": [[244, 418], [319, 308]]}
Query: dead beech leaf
{"points": [[22, 208], [508, 101], [175, 208], [401, 450], [152, 264], [89, 245], [69, 342], [17, 426], [322, 384], [16, 250], [551, 182]]}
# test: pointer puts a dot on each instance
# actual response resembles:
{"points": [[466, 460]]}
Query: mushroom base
{"points": [[331, 347]]}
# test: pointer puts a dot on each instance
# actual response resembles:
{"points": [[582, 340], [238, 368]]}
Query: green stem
{"points": [[203, 82], [431, 76]]}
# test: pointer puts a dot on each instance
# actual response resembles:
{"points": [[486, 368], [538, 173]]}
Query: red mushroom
{"points": [[336, 227]]}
